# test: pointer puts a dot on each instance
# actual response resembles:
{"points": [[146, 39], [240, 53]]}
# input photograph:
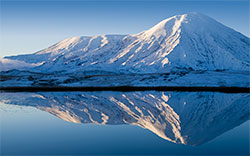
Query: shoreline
{"points": [[127, 89]]}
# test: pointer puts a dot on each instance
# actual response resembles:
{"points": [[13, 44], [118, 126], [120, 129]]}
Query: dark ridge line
{"points": [[127, 89]]}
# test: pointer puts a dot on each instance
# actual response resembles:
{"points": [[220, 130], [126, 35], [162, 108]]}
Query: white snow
{"points": [[190, 41], [8, 64]]}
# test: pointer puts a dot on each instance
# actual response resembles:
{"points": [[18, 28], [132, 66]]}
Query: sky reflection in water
{"points": [[124, 123]]}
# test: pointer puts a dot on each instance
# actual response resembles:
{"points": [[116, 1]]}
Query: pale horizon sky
{"points": [[29, 26]]}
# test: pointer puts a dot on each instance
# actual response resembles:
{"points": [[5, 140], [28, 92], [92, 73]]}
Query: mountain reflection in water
{"points": [[190, 118]]}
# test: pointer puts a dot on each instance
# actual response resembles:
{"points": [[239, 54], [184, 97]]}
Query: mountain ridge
{"points": [[189, 50], [193, 41]]}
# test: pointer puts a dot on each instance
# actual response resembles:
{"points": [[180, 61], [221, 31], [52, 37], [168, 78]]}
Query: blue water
{"points": [[30, 130]]}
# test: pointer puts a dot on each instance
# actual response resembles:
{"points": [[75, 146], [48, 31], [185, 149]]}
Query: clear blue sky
{"points": [[29, 26]]}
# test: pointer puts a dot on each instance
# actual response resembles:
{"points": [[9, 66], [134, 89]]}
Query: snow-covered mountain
{"points": [[192, 49], [190, 41], [190, 118]]}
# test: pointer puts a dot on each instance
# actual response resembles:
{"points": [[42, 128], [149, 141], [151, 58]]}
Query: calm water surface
{"points": [[124, 123]]}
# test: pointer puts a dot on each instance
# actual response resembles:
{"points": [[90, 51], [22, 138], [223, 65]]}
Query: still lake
{"points": [[124, 123]]}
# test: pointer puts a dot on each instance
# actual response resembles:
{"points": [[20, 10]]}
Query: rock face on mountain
{"points": [[193, 41], [190, 118], [189, 42]]}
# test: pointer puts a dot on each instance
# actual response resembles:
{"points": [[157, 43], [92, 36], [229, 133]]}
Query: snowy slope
{"points": [[190, 41], [190, 118]]}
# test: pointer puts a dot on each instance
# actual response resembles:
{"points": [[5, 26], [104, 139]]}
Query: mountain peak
{"points": [[166, 26], [195, 15], [173, 24], [188, 41]]}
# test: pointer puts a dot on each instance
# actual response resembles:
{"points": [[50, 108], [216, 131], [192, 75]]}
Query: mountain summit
{"points": [[193, 41], [188, 42]]}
